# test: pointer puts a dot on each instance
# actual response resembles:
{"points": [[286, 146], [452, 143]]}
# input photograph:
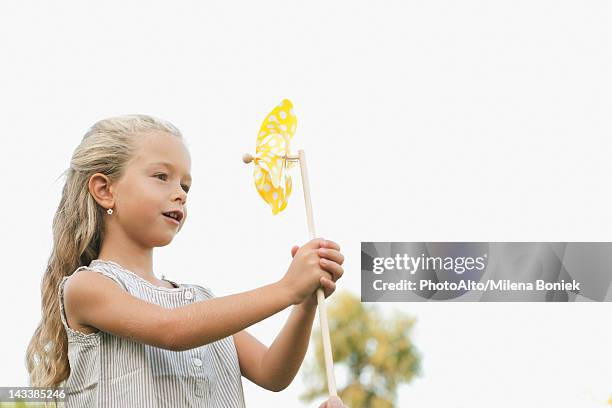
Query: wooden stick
{"points": [[247, 157], [329, 362]]}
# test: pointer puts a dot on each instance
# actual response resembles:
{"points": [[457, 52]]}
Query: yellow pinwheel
{"points": [[273, 183], [272, 159]]}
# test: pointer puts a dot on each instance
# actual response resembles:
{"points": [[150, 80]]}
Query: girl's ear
{"points": [[100, 189]]}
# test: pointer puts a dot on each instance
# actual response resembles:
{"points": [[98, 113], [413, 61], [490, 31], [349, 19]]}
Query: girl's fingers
{"points": [[332, 255], [331, 244], [294, 250], [328, 286], [327, 275], [336, 270]]}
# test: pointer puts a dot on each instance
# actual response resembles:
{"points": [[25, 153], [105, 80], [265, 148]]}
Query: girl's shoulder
{"points": [[103, 268], [128, 280]]}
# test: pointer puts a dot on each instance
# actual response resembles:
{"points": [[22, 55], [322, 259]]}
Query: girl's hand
{"points": [[333, 402], [331, 261], [305, 272]]}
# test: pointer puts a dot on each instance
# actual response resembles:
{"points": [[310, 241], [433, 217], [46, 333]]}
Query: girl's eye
{"points": [[185, 187]]}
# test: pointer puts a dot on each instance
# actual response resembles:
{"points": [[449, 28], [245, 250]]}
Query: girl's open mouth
{"points": [[174, 221]]}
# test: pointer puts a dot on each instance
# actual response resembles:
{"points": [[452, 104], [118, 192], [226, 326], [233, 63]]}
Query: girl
{"points": [[113, 333]]}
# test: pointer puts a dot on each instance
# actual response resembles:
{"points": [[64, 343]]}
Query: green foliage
{"points": [[377, 354]]}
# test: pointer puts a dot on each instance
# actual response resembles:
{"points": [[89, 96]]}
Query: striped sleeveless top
{"points": [[110, 371]]}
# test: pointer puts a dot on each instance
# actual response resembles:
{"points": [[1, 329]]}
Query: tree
{"points": [[377, 354]]}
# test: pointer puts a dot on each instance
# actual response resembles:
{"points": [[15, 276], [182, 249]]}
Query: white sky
{"points": [[422, 121]]}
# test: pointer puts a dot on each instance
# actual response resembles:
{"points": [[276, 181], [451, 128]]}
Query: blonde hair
{"points": [[78, 231]]}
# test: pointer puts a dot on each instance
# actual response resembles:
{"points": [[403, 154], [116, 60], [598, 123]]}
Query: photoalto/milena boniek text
{"points": [[486, 271]]}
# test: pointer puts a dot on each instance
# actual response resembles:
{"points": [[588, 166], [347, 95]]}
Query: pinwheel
{"points": [[272, 162]]}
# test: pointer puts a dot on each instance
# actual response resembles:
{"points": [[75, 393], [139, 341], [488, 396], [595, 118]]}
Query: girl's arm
{"points": [[275, 370], [220, 317], [94, 300], [213, 319]]}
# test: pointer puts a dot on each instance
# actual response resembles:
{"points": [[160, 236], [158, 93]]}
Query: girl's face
{"points": [[156, 180]]}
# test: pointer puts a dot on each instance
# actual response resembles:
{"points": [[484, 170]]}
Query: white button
{"points": [[188, 295], [197, 362]]}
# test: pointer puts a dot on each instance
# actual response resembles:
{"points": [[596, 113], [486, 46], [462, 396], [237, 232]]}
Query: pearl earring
{"points": [[109, 211]]}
